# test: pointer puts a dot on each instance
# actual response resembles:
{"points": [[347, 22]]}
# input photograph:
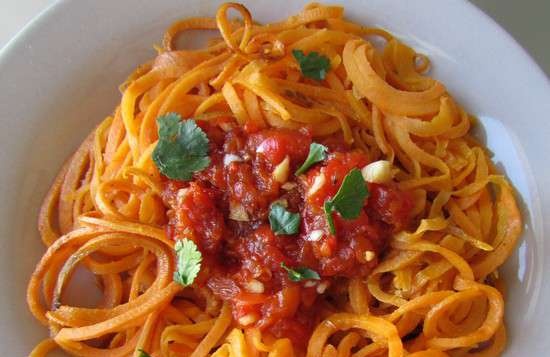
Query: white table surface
{"points": [[527, 20]]}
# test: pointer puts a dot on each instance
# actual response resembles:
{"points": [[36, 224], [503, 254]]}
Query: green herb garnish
{"points": [[317, 153], [142, 353], [182, 148], [188, 262], [314, 65], [302, 273], [283, 221], [349, 199]]}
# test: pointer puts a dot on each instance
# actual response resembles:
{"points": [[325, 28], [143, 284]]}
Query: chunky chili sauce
{"points": [[225, 208]]}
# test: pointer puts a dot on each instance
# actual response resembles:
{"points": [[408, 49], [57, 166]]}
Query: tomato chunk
{"points": [[390, 205], [198, 218], [273, 145]]}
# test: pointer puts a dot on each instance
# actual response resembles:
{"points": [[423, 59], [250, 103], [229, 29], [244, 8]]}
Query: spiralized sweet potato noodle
{"points": [[434, 293]]}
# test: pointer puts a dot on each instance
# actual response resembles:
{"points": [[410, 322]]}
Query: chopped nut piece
{"points": [[248, 319], [282, 170], [377, 172], [317, 184], [314, 235], [254, 286]]}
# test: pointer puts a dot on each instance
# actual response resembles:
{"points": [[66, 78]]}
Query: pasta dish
{"points": [[300, 188]]}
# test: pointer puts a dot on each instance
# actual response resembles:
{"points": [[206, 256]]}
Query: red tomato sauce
{"points": [[225, 208]]}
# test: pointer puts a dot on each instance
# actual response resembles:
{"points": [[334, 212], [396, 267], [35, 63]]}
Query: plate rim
{"points": [[42, 19]]}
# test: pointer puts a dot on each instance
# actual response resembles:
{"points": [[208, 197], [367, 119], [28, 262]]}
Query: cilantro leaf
{"points": [[283, 221], [351, 195], [142, 353], [182, 148], [188, 262], [314, 65], [317, 153], [301, 273], [349, 199], [168, 125]]}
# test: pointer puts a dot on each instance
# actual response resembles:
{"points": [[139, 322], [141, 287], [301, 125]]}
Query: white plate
{"points": [[59, 77]]}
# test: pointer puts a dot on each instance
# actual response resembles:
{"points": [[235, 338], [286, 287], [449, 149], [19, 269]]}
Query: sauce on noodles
{"points": [[242, 254]]}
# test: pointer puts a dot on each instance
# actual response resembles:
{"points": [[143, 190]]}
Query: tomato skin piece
{"points": [[251, 127], [251, 187], [224, 288], [261, 249], [248, 303], [273, 145], [198, 218], [390, 205], [283, 304], [293, 329]]}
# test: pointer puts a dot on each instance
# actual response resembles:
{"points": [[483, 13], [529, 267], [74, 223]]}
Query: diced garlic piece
{"points": [[287, 186], [254, 286], [229, 158], [248, 319], [314, 235], [310, 284], [318, 182], [260, 149], [237, 212], [322, 287], [369, 255], [378, 172], [282, 170], [182, 192]]}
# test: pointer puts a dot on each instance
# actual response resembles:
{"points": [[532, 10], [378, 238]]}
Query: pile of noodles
{"points": [[436, 292]]}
